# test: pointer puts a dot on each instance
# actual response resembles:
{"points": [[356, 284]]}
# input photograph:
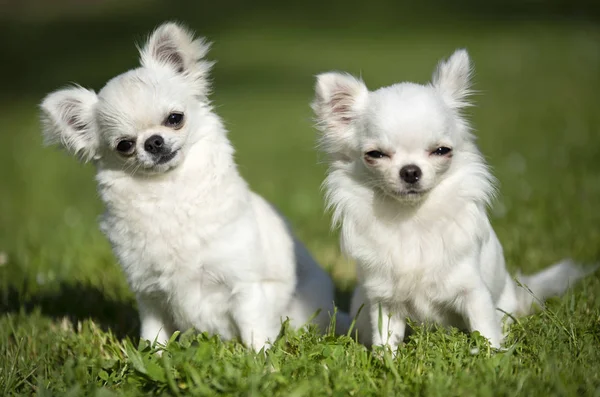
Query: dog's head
{"points": [[142, 119], [401, 139]]}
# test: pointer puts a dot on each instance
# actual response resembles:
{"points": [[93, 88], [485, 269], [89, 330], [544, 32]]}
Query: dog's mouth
{"points": [[167, 157], [411, 194]]}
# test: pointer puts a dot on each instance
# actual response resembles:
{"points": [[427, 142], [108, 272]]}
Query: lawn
{"points": [[68, 323]]}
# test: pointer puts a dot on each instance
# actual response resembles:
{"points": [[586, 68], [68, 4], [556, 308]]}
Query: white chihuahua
{"points": [[410, 188], [199, 249]]}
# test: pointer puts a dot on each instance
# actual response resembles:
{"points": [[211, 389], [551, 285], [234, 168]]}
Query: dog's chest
{"points": [[419, 294], [171, 243], [417, 270], [173, 250]]}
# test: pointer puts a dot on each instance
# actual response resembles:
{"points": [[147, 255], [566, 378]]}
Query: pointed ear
{"points": [[339, 101], [452, 79], [174, 46], [68, 121]]}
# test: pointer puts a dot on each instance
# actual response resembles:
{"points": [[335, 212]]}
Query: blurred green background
{"points": [[537, 67]]}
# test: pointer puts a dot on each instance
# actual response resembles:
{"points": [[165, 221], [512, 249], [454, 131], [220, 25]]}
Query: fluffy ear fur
{"points": [[339, 101], [68, 121], [174, 46], [452, 78]]}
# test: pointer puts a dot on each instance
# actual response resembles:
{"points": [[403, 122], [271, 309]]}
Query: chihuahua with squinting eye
{"points": [[410, 189], [199, 249]]}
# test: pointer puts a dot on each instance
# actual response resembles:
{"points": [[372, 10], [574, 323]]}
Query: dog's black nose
{"points": [[410, 173], [154, 144]]}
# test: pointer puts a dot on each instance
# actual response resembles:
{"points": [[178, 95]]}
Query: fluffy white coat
{"points": [[410, 189], [199, 249]]}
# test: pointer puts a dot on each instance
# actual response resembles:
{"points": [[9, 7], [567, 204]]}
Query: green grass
{"points": [[68, 323]]}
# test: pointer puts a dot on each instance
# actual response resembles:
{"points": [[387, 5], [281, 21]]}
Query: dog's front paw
{"points": [[386, 350], [258, 345], [257, 342]]}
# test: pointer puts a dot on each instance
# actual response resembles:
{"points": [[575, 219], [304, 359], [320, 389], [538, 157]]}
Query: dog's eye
{"points": [[441, 151], [126, 147], [375, 154], [174, 120]]}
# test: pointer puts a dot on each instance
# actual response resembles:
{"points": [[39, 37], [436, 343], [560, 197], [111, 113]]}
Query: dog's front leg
{"points": [[254, 315], [480, 315], [388, 327], [155, 325]]}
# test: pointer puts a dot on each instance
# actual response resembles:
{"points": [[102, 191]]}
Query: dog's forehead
{"points": [[136, 85], [140, 96], [408, 114], [131, 79]]}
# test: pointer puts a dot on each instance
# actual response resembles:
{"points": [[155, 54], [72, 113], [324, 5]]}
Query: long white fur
{"points": [[199, 249], [429, 255]]}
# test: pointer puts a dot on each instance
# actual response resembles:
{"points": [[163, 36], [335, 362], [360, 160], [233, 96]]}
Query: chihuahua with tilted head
{"points": [[199, 249], [410, 189]]}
